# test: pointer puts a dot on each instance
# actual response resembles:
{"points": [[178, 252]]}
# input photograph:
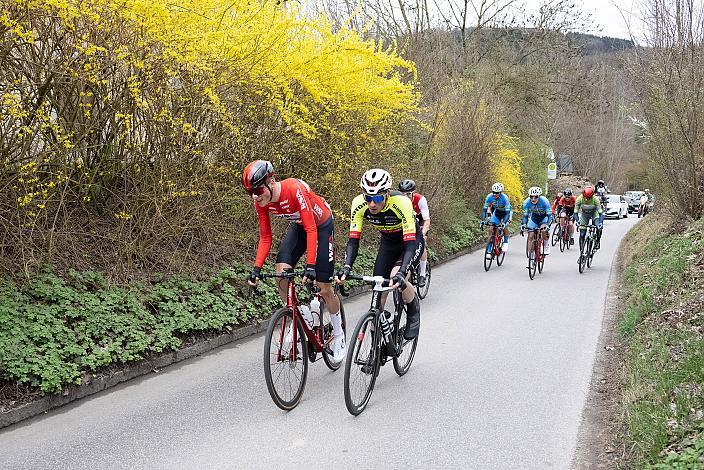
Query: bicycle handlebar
{"points": [[283, 275]]}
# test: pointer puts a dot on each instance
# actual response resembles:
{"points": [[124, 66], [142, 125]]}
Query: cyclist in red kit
{"points": [[311, 231]]}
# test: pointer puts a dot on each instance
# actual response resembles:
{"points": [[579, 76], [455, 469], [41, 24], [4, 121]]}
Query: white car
{"points": [[616, 206]]}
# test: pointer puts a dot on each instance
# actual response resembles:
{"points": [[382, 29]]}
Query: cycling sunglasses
{"points": [[377, 198], [534, 197], [258, 191], [495, 193]]}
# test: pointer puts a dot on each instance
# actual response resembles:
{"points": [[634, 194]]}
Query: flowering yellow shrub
{"points": [[507, 168]]}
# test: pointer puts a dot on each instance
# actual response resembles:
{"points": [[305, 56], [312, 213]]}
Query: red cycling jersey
{"points": [[297, 203], [568, 201], [416, 199]]}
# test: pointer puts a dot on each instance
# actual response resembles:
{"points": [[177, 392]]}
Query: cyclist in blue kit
{"points": [[498, 206], [537, 214]]}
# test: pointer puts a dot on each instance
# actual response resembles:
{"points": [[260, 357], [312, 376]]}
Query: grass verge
{"points": [[663, 324]]}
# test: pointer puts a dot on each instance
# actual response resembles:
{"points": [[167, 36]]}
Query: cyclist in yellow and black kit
{"points": [[401, 243]]}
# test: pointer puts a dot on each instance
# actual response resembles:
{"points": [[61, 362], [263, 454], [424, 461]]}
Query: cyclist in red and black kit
{"points": [[422, 213], [567, 204], [311, 232]]}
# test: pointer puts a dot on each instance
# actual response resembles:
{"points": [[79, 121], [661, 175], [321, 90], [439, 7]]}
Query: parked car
{"points": [[633, 200], [616, 206]]}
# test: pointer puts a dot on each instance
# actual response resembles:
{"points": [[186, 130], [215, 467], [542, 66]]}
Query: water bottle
{"points": [[307, 316], [315, 310], [385, 329]]}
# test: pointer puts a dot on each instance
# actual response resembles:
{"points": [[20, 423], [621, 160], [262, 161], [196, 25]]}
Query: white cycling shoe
{"points": [[339, 348]]}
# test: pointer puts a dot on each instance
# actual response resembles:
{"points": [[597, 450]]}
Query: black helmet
{"points": [[600, 182], [568, 192], [406, 186], [256, 174]]}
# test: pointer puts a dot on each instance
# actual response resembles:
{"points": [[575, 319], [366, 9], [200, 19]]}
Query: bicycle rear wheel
{"points": [[403, 361], [488, 256], [327, 338], [285, 363], [500, 258], [423, 291], [362, 365]]}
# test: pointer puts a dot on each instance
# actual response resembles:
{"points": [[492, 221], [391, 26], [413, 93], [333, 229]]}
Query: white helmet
{"points": [[375, 181], [497, 188], [535, 191]]}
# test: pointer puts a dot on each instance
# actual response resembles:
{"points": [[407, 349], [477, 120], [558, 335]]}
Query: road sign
{"points": [[552, 170]]}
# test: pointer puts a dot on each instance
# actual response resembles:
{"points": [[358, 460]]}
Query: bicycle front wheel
{"points": [[403, 361], [362, 366], [285, 363], [532, 264], [590, 252], [582, 258], [423, 291], [555, 235], [488, 256]]}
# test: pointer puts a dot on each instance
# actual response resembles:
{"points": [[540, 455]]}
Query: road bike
{"points": [[564, 234], [534, 251], [586, 250], [493, 247], [377, 338], [291, 343]]}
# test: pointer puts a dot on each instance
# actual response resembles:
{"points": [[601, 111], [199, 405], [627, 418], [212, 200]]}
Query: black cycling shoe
{"points": [[421, 281], [412, 319], [597, 245]]}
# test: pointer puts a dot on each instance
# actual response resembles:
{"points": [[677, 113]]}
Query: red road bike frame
{"points": [[314, 335]]}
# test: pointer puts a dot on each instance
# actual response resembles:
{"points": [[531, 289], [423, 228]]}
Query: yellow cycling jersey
{"points": [[395, 219]]}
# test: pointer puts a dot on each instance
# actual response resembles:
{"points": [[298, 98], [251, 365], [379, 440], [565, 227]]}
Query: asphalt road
{"points": [[499, 380]]}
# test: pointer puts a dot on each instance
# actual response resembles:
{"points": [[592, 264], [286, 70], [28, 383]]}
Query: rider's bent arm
{"points": [[423, 206], [359, 206], [352, 250], [487, 201], [526, 212], [264, 236], [409, 248]]}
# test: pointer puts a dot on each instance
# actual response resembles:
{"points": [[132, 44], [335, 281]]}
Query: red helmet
{"points": [[256, 174], [588, 191]]}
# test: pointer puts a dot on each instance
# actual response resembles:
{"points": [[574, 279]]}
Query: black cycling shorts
{"points": [[294, 245], [390, 253], [569, 211]]}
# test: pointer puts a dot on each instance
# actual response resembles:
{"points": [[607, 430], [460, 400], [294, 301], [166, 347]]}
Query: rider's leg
{"points": [[291, 249], [387, 255], [412, 308], [506, 220], [582, 226], [600, 224], [325, 266], [424, 262], [282, 284], [545, 236]]}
